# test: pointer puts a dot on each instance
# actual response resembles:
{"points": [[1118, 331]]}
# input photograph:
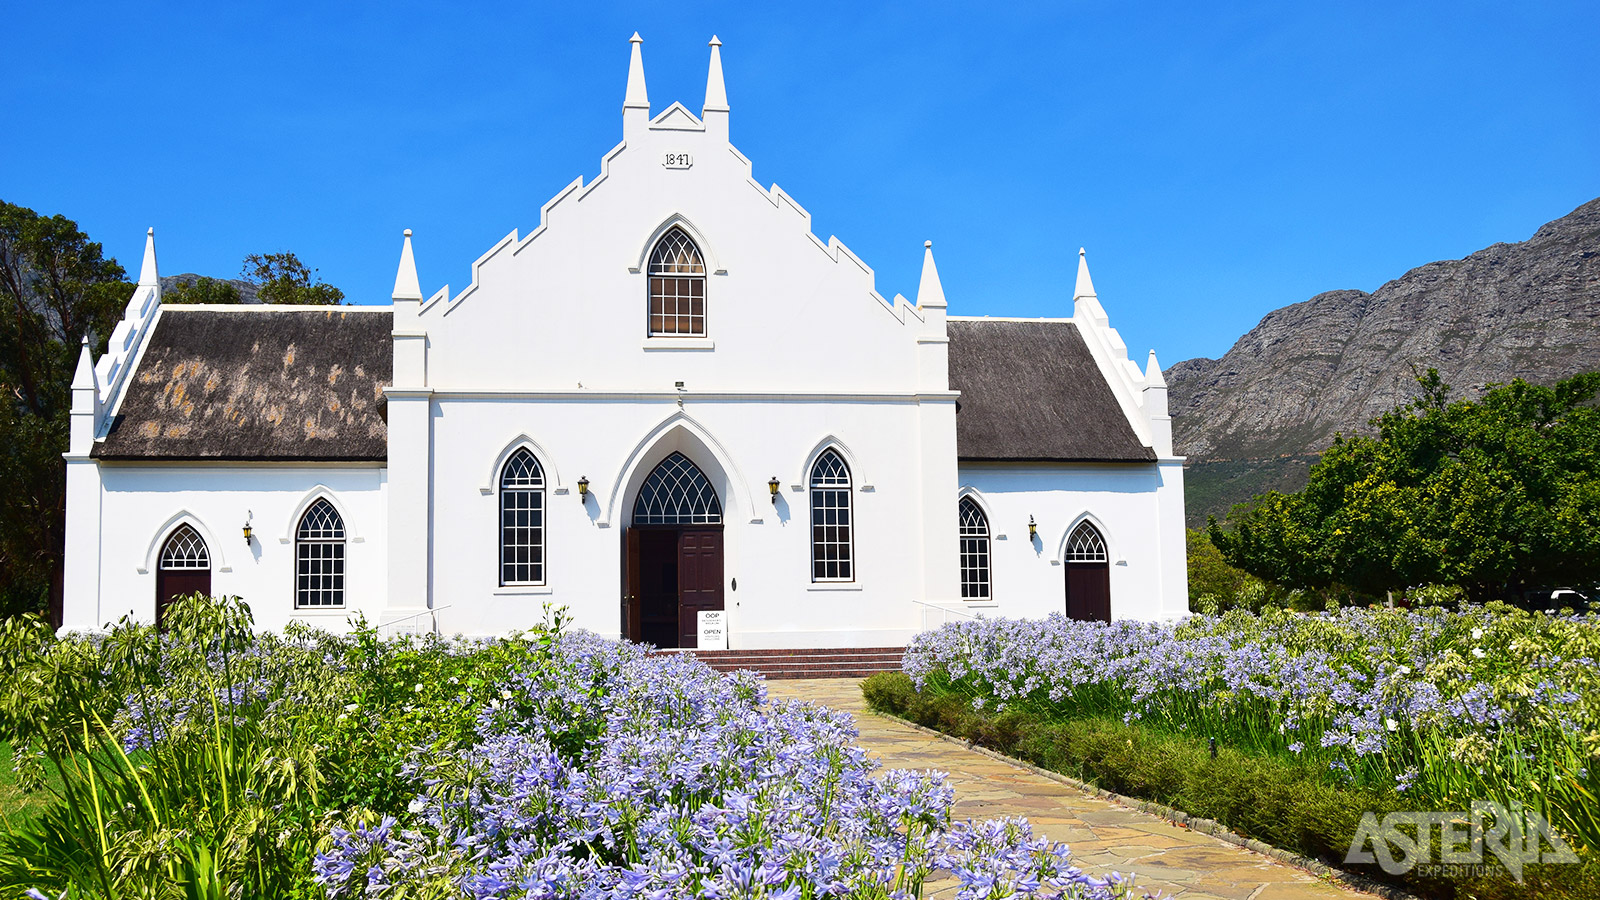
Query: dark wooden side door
{"points": [[1089, 591], [699, 580], [630, 585], [174, 583]]}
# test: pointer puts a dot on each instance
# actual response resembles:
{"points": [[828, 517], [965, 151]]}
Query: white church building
{"points": [[670, 397]]}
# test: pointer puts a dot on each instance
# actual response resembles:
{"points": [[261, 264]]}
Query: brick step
{"points": [[842, 662]]}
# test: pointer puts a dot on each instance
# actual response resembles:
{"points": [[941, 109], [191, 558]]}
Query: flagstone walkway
{"points": [[1104, 836]]}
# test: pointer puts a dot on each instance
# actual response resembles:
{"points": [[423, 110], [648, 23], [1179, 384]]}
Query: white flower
{"points": [[1403, 670], [351, 707], [417, 687], [505, 695], [1478, 652], [1391, 724], [1477, 633]]}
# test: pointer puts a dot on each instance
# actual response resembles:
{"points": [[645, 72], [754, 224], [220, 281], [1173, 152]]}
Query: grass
{"points": [[17, 805]]}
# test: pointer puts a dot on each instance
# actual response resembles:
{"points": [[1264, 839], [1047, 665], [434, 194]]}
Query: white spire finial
{"points": [[148, 277], [716, 91], [636, 98], [406, 286], [1152, 372], [83, 378], [1084, 287], [930, 293]]}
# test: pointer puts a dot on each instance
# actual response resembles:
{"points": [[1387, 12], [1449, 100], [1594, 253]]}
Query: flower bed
{"points": [[1423, 710], [212, 761]]}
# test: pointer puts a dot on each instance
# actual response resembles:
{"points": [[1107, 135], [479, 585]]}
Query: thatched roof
{"points": [[258, 384], [1030, 391]]}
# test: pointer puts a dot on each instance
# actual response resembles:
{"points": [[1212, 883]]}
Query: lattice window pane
{"points": [[831, 528], [185, 549], [1086, 545], [522, 520], [677, 286], [319, 558], [974, 551], [677, 493]]}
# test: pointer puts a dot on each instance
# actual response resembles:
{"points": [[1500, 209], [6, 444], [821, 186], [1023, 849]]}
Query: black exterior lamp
{"points": [[1033, 528], [772, 486], [248, 516], [583, 488]]}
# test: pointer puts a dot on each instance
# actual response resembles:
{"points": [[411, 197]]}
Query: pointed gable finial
{"points": [[636, 98], [1084, 287], [1152, 372], [406, 286], [83, 378], [930, 292], [716, 91], [148, 277]]}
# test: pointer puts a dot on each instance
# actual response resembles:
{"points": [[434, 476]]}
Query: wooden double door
{"points": [[670, 574], [1089, 591]]}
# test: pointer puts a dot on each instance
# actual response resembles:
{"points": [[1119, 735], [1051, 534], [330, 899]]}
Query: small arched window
{"points": [[832, 556], [185, 549], [974, 551], [1086, 545], [319, 558], [522, 520], [677, 287]]}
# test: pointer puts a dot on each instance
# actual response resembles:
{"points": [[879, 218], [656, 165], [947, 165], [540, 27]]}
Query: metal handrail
{"points": [[432, 611], [947, 612]]}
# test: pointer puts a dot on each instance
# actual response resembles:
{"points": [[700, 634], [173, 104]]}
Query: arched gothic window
{"points": [[677, 493], [319, 558], [1086, 545], [974, 551], [185, 549], [521, 520], [677, 287], [832, 556]]}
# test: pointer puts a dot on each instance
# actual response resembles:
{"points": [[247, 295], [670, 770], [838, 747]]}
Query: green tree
{"points": [[1493, 496], [56, 287], [201, 290], [283, 278]]}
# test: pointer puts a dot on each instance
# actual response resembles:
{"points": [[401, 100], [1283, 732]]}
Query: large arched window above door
{"points": [[832, 529], [185, 549], [319, 558], [1086, 545], [677, 287], [677, 493], [974, 551], [521, 520]]}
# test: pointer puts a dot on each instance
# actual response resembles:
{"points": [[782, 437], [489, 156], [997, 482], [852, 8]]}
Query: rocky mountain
{"points": [[1253, 420]]}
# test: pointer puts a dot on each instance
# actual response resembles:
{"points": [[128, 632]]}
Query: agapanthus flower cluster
{"points": [[608, 773]]}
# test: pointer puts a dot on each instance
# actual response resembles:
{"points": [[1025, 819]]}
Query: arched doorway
{"points": [[1088, 575], [185, 569], [672, 555]]}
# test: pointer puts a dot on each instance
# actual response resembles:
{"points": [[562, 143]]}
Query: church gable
{"points": [[253, 384]]}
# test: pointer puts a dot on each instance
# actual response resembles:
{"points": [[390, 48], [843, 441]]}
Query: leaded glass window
{"points": [[1086, 545], [831, 527], [185, 549], [974, 551], [677, 287], [677, 493], [522, 520], [319, 558]]}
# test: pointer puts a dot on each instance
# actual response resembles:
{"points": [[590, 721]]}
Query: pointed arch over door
{"points": [[1088, 574], [184, 568], [677, 493]]}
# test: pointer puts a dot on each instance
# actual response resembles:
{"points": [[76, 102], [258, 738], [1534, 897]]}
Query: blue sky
{"points": [[1217, 160]]}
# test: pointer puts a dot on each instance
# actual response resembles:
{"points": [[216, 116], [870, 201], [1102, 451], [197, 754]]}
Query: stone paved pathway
{"points": [[1103, 835]]}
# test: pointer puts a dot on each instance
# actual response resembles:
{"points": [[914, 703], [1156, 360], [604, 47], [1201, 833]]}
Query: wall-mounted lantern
{"points": [[248, 517], [1033, 528], [772, 486], [583, 488]]}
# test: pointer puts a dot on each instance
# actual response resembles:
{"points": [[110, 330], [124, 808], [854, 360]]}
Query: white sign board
{"points": [[713, 630]]}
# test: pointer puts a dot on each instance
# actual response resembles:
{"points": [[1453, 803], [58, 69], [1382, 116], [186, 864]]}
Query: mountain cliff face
{"points": [[1252, 420]]}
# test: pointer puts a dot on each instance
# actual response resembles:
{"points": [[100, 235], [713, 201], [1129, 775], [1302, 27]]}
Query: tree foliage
{"points": [[56, 287], [201, 290], [1495, 496], [283, 278]]}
